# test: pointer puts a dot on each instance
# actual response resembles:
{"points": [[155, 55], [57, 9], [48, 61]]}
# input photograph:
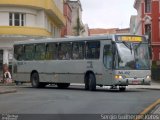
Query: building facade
{"points": [[148, 23], [26, 19], [133, 24], [73, 14], [77, 26], [67, 29]]}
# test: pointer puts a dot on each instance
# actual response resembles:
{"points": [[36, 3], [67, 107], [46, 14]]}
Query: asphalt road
{"points": [[76, 100]]}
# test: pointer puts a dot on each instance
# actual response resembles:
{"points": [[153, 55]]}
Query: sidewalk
{"points": [[4, 89], [156, 110], [155, 85]]}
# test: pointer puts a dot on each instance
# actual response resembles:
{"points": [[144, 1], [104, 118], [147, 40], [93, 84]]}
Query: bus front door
{"points": [[107, 60]]}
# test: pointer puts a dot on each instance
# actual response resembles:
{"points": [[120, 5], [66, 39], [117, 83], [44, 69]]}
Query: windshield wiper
{"points": [[128, 46], [138, 45]]}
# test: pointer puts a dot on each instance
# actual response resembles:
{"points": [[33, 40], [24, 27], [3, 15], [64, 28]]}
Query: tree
{"points": [[78, 28]]}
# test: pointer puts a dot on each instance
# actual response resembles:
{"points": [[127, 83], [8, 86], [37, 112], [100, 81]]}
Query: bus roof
{"points": [[69, 39]]}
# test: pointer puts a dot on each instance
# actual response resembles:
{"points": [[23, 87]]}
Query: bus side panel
{"points": [[22, 77], [106, 77], [18, 74], [71, 71]]}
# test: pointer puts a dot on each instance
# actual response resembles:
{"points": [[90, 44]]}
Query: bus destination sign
{"points": [[130, 38]]}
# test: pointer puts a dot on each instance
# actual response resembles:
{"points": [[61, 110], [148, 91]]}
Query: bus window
{"points": [[29, 52], [107, 59], [40, 50], [52, 51], [78, 50], [19, 52], [92, 50], [64, 51], [141, 56]]}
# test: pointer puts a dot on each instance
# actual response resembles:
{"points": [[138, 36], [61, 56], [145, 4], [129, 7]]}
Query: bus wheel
{"points": [[122, 89], [92, 82], [63, 85], [86, 84], [35, 80], [42, 85]]}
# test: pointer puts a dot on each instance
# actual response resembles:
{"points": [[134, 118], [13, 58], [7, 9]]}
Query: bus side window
{"points": [[107, 58], [29, 52], [93, 50], [64, 51], [52, 51], [78, 50], [40, 50], [19, 52]]}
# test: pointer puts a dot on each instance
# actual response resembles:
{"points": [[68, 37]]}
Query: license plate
{"points": [[135, 82]]}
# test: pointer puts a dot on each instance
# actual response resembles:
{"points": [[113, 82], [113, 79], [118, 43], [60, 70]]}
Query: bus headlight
{"points": [[148, 77], [118, 77]]}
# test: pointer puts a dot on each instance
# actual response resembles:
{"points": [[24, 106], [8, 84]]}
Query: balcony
{"points": [[48, 5], [24, 31]]}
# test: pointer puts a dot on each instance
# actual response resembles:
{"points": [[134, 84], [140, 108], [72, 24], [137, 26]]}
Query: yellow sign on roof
{"points": [[130, 38]]}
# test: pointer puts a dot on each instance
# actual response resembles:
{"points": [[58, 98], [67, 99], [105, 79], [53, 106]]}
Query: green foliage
{"points": [[78, 28], [154, 65]]}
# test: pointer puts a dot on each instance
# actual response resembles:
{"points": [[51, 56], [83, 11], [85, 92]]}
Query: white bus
{"points": [[112, 60]]}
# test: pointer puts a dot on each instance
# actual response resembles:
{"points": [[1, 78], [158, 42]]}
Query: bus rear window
{"points": [[19, 52]]}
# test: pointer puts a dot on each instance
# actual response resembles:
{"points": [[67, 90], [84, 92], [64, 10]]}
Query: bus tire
{"points": [[42, 85], [63, 85], [122, 89], [35, 80], [86, 83], [92, 82]]}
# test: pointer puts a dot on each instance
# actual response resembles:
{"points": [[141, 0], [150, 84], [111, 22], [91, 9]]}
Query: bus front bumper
{"points": [[133, 82]]}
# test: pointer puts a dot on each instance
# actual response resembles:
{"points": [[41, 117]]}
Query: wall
{"points": [[33, 19], [59, 4], [66, 30], [76, 12]]}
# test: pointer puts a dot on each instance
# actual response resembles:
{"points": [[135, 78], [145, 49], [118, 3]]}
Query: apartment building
{"points": [[25, 19]]}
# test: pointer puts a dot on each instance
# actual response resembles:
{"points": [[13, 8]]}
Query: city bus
{"points": [[109, 60]]}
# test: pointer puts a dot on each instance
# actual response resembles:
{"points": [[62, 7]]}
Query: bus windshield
{"points": [[134, 56]]}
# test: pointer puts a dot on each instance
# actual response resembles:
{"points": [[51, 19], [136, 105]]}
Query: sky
{"points": [[107, 13]]}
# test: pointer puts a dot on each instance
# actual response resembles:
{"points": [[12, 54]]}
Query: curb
{"points": [[8, 91], [148, 110], [10, 84], [149, 88]]}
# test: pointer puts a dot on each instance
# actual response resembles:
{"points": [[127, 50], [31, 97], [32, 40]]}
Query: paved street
{"points": [[76, 100]]}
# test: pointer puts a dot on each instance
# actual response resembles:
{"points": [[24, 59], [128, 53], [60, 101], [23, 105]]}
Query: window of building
{"points": [[148, 32], [147, 6], [16, 19], [148, 29], [78, 50], [93, 50], [10, 19]]}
